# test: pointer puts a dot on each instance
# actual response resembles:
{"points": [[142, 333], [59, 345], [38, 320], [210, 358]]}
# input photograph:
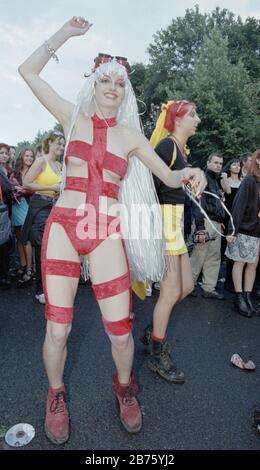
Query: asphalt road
{"points": [[212, 410]]}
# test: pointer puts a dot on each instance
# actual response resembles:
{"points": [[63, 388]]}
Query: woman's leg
{"points": [[55, 351], [249, 276], [237, 276], [170, 294], [111, 284], [20, 247], [28, 255], [186, 276], [171, 291], [239, 303], [25, 253], [108, 263], [60, 290], [175, 286], [60, 273]]}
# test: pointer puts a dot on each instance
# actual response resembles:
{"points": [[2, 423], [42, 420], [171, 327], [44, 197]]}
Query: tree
{"points": [[227, 102], [137, 77], [175, 49], [39, 138], [20, 146], [58, 128]]}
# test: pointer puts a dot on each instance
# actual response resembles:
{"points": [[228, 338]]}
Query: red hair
{"points": [[176, 109]]}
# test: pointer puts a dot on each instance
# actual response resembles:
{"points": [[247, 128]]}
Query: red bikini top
{"points": [[98, 158]]}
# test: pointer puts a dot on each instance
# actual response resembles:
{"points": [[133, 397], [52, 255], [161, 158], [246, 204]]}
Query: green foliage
{"points": [[21, 145], [58, 128], [175, 49], [227, 102], [212, 59], [137, 78]]}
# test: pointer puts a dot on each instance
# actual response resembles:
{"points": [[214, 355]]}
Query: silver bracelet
{"points": [[51, 52]]}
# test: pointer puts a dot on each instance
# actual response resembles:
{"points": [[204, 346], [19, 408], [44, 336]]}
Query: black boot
{"points": [[161, 362], [146, 337], [252, 308], [241, 305]]}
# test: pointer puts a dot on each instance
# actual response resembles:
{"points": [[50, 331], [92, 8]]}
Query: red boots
{"points": [[57, 416], [130, 413]]}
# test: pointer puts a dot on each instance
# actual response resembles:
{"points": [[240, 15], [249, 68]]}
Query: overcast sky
{"points": [[120, 27]]}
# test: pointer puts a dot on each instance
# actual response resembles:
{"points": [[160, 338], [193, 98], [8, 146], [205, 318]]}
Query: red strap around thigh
{"points": [[113, 287], [58, 314], [59, 267], [119, 327]]}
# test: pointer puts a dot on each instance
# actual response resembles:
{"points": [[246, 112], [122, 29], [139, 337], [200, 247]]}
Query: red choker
{"points": [[105, 122]]}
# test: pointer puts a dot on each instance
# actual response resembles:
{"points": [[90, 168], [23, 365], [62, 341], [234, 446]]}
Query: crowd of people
{"points": [[107, 159]]}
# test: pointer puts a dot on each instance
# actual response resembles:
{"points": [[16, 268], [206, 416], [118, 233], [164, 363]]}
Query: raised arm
{"points": [[225, 183], [144, 151], [31, 68]]}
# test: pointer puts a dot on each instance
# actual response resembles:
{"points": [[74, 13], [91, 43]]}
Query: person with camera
{"points": [[206, 254]]}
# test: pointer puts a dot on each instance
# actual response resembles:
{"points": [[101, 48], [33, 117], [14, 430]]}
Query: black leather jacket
{"points": [[211, 205]]}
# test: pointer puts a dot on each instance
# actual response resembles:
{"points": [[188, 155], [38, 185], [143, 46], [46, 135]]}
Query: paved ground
{"points": [[212, 410]]}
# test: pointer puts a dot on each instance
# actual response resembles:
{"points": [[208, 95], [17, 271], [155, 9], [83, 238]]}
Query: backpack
{"points": [[5, 222]]}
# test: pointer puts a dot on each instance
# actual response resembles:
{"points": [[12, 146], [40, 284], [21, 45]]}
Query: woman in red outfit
{"points": [[99, 150]]}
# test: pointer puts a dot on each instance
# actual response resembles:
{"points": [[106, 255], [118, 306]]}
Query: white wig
{"points": [[145, 253]]}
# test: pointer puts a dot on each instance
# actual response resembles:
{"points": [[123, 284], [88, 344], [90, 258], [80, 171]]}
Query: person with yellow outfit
{"points": [[43, 179], [177, 122]]}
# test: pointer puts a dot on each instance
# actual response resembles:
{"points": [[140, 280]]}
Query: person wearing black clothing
{"points": [[206, 255], [179, 119], [232, 170], [6, 189], [244, 247]]}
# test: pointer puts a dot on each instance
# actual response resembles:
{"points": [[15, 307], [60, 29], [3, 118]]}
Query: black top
{"points": [[246, 208], [212, 205], [229, 199], [167, 195]]}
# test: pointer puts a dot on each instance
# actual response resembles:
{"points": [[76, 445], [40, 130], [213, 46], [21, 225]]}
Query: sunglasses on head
{"points": [[105, 58], [181, 104]]}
